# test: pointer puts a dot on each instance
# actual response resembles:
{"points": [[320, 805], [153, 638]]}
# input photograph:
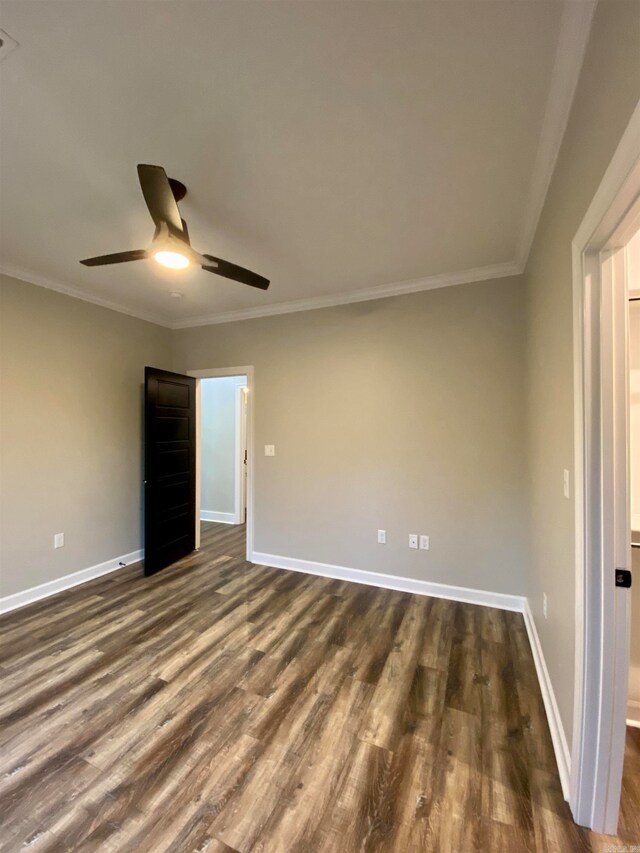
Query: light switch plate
{"points": [[565, 483], [58, 540], [413, 541], [269, 450], [424, 543]]}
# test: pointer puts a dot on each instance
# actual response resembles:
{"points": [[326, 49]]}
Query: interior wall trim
{"points": [[293, 306], [383, 291], [78, 293], [419, 587], [558, 735], [44, 590], [220, 517]]}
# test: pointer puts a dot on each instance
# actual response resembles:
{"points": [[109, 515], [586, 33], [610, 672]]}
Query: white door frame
{"points": [[241, 466], [211, 373], [602, 521], [238, 486]]}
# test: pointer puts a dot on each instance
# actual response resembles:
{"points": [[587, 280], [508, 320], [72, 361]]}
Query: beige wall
{"points": [[218, 444], [608, 90], [71, 418], [404, 414]]}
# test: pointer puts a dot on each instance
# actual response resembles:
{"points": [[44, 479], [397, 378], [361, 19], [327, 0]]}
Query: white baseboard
{"points": [[419, 587], [44, 590], [558, 736], [633, 713], [220, 517]]}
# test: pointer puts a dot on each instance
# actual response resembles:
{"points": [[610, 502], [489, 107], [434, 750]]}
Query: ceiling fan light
{"points": [[172, 260]]}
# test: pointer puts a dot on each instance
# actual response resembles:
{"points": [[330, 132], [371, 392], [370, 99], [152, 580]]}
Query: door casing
{"points": [[601, 423], [211, 373]]}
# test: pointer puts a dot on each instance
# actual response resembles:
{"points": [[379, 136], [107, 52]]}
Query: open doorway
{"points": [[223, 449]]}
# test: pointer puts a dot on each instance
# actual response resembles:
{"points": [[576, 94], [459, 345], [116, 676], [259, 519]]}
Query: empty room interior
{"points": [[320, 426]]}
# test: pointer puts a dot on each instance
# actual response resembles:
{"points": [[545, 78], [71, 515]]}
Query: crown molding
{"points": [[291, 307], [363, 295], [575, 26], [52, 284]]}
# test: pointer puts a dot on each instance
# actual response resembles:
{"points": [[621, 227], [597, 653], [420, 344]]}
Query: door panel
{"points": [[170, 478], [173, 429]]}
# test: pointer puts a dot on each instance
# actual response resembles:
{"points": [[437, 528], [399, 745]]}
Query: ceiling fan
{"points": [[170, 245]]}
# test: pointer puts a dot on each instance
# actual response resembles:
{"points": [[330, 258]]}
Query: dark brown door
{"points": [[170, 456]]}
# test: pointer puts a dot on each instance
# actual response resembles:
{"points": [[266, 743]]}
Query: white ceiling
{"points": [[335, 147]]}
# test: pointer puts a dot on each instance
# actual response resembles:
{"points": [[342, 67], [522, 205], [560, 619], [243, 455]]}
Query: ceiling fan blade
{"points": [[159, 197], [117, 258], [185, 231], [236, 273]]}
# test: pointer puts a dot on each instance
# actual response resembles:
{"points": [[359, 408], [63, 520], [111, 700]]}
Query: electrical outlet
{"points": [[382, 537], [58, 540], [565, 483], [413, 541], [544, 604], [424, 543]]}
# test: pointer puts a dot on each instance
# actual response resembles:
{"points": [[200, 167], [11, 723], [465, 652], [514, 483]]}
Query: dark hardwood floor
{"points": [[222, 706]]}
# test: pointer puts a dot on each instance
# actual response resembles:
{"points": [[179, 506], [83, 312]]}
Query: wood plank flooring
{"points": [[220, 706]]}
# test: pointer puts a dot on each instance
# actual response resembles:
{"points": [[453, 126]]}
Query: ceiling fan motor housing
{"points": [[178, 189]]}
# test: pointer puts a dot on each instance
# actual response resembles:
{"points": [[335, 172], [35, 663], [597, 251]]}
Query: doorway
{"points": [[602, 490], [223, 450], [224, 432]]}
